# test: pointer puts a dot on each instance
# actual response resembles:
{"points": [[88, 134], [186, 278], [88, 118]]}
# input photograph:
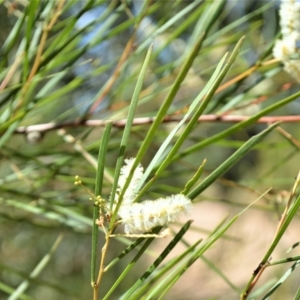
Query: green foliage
{"points": [[162, 82]]}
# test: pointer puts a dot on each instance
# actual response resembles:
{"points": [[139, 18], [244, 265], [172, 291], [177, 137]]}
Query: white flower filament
{"points": [[130, 191], [287, 49], [146, 215]]}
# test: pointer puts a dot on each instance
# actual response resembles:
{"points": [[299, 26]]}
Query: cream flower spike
{"points": [[287, 50], [131, 190], [143, 216], [140, 217]]}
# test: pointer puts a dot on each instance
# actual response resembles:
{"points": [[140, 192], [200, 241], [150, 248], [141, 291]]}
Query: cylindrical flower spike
{"points": [[289, 18], [130, 192], [287, 50], [140, 217]]}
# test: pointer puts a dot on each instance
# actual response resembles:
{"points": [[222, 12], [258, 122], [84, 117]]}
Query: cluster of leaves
{"points": [[62, 82]]}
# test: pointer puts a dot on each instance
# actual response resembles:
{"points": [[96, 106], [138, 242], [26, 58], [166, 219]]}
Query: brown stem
{"points": [[148, 120], [11, 72], [38, 56], [109, 84], [245, 74], [288, 136], [126, 53], [102, 267], [259, 272], [262, 266]]}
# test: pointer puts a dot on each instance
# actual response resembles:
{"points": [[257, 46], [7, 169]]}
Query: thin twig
{"points": [[79, 148], [102, 266], [148, 120], [245, 74], [288, 136], [109, 84], [46, 31], [37, 60], [259, 271], [126, 53], [288, 204], [262, 266], [11, 72]]}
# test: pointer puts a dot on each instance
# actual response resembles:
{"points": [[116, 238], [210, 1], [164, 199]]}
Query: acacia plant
{"points": [[174, 118]]}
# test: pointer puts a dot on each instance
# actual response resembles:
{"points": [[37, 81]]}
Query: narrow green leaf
{"points": [[9, 290], [131, 247], [75, 83], [98, 190], [31, 12], [167, 283], [167, 102], [230, 162], [158, 261], [195, 178], [262, 289], [37, 270], [13, 36], [48, 214], [282, 280], [297, 296], [290, 215], [219, 272], [292, 212], [284, 261], [237, 126], [11, 129], [293, 247], [162, 271], [182, 137], [208, 91], [237, 23], [208, 18], [50, 84], [178, 30], [169, 23], [131, 264], [125, 139]]}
